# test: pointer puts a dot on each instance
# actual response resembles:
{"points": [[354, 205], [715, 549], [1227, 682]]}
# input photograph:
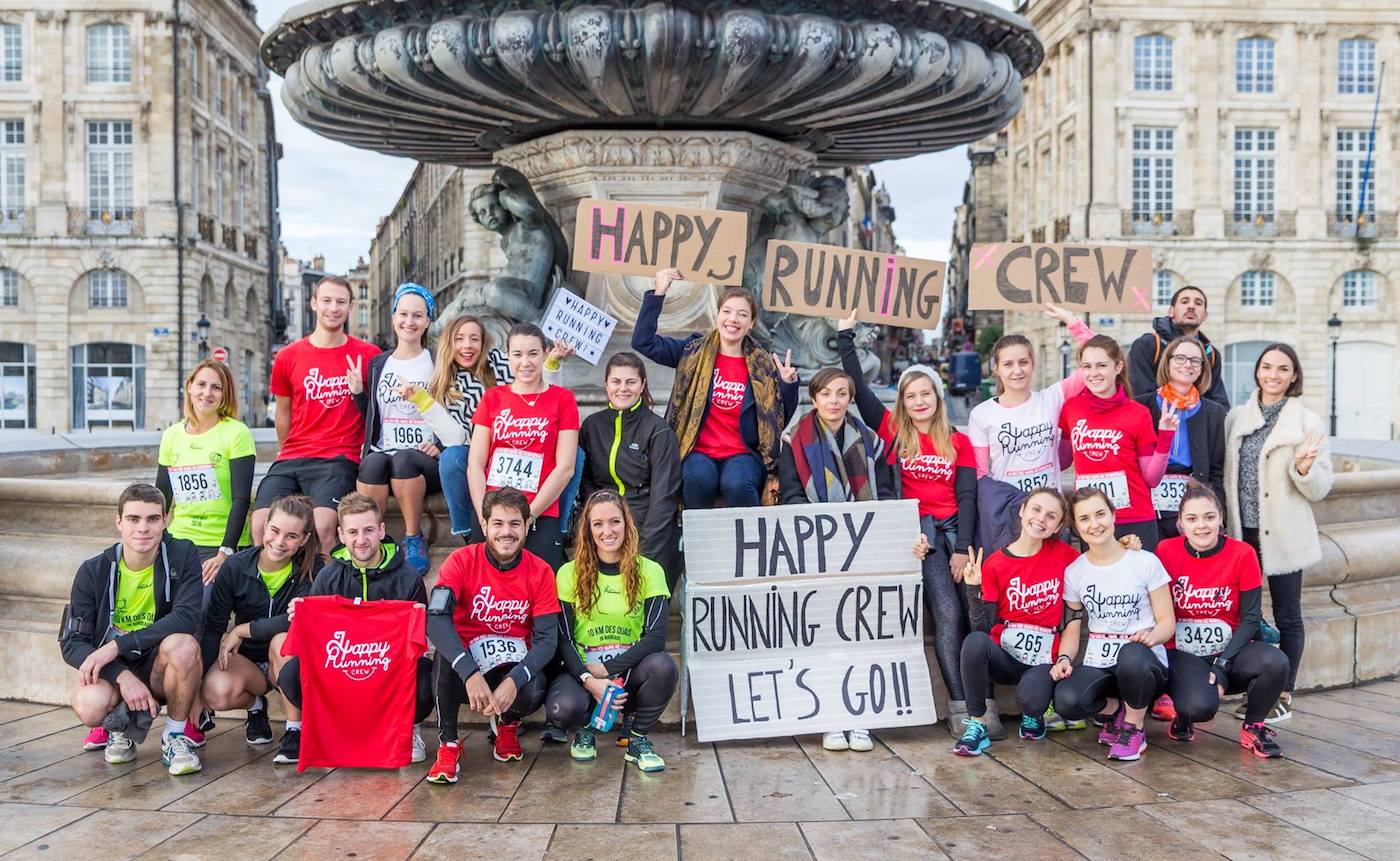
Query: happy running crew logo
{"points": [[1095, 444], [358, 661], [330, 392]]}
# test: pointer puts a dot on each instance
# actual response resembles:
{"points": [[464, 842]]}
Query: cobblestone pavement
{"points": [[1336, 794]]}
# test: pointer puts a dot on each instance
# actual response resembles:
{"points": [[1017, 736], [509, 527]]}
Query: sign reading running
{"points": [[625, 238], [829, 281], [582, 325], [1012, 276]]}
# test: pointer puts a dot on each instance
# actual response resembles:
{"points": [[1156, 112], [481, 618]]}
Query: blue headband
{"points": [[408, 287]]}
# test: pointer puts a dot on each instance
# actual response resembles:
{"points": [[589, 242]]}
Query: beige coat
{"points": [[1288, 538]]}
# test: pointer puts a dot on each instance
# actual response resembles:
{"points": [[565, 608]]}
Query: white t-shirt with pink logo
{"points": [[1022, 442]]}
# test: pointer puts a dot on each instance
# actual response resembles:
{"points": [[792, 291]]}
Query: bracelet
{"points": [[1064, 658]]}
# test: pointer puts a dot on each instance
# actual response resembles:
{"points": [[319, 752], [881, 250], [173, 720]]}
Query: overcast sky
{"points": [[332, 195]]}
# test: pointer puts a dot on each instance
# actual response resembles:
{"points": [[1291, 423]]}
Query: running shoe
{"points": [[974, 739], [289, 751], [120, 749], [257, 730], [554, 734], [420, 750], [1032, 728], [1282, 711], [835, 740], [585, 746], [1258, 739], [639, 751], [178, 755], [96, 739], [206, 721], [1110, 726], [1268, 634], [624, 732], [415, 550], [193, 734], [1129, 744], [859, 740], [1164, 709], [1181, 729], [448, 764], [508, 742], [1055, 723]]}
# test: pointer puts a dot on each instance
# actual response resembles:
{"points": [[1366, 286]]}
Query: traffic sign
{"points": [[220, 354]]}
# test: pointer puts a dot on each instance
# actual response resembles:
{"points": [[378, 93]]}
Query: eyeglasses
{"points": [[1188, 361]]}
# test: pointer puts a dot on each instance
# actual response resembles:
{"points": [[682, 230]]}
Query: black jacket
{"points": [[1206, 432], [791, 491], [369, 404], [239, 589], [393, 580], [179, 592], [1147, 351], [634, 452]]}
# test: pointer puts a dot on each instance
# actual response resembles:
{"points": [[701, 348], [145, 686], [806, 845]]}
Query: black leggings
{"points": [[649, 687], [947, 604], [380, 466], [1145, 530], [1259, 670], [543, 538], [983, 659], [1137, 680], [452, 695], [1286, 596], [289, 683]]}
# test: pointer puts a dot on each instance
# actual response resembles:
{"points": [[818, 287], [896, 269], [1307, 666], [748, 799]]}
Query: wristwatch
{"points": [[584, 676], [227, 551]]}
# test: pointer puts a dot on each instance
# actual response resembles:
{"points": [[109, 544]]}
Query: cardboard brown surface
{"points": [[828, 280], [1011, 276], [625, 238]]}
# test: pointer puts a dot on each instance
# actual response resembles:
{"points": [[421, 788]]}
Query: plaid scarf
{"points": [[690, 395], [831, 476]]}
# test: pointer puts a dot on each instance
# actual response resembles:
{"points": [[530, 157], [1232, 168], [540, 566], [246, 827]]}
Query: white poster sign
{"points": [[576, 322]]}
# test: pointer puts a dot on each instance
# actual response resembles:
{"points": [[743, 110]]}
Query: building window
{"points": [[1356, 66], [1254, 65], [11, 174], [109, 169], [1359, 289], [1047, 183], [1257, 289], [109, 385], [1352, 146], [107, 288], [218, 87], [238, 198], [1069, 78], [11, 53], [219, 184], [108, 54], [197, 68], [9, 288], [196, 169], [1239, 369], [1254, 175], [17, 385], [1153, 173], [1163, 286], [1152, 63]]}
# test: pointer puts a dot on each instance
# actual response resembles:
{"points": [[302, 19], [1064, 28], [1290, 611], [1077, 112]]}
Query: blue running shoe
{"points": [[416, 549], [1032, 728], [974, 739]]}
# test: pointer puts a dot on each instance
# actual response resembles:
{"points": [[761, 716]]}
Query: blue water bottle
{"points": [[605, 715]]}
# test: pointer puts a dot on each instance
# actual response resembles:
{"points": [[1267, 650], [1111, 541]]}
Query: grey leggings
{"points": [[948, 608]]}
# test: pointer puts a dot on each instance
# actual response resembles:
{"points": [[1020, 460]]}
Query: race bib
{"points": [[1167, 495], [603, 654], [1113, 484], [490, 651], [1203, 638], [194, 483], [1029, 644], [402, 433], [512, 467], [1026, 482], [1103, 650]]}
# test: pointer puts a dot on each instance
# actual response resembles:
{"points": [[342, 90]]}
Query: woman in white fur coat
{"points": [[1277, 463]]}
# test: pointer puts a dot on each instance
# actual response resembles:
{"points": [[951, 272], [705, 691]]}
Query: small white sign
{"points": [[576, 322]]}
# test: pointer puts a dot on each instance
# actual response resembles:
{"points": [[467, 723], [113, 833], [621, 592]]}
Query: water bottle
{"points": [[605, 715]]}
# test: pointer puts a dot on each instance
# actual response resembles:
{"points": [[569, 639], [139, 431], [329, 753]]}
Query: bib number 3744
{"points": [[515, 468]]}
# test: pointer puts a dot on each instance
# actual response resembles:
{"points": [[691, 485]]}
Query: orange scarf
{"points": [[1181, 402]]}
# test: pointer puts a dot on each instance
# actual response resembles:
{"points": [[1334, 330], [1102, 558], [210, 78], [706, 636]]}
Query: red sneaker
{"points": [[95, 740], [194, 734], [1164, 709], [508, 742], [448, 764]]}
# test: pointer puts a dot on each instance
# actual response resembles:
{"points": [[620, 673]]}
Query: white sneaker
{"points": [[420, 750], [120, 749], [860, 740], [830, 741], [178, 755]]}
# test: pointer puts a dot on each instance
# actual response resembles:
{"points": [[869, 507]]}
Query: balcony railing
{"points": [[1373, 226], [1062, 229], [1180, 222], [206, 228], [1037, 234], [230, 237], [1258, 225], [87, 221], [250, 246], [14, 221]]}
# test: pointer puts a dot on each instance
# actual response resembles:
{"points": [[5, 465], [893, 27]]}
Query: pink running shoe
{"points": [[1108, 733], [95, 740], [1129, 745], [1164, 709], [194, 734]]}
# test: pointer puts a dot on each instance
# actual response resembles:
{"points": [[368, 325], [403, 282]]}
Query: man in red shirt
{"points": [[319, 382], [494, 618]]}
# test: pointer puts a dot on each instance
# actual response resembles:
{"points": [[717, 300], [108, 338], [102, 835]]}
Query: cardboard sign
{"points": [[807, 656], [576, 322], [626, 238], [728, 544], [1011, 277], [828, 281]]}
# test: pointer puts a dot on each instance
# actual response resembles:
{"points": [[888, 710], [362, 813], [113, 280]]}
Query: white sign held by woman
{"points": [[573, 320]]}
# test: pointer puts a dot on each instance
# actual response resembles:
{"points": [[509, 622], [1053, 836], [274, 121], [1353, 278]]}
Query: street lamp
{"points": [[203, 325], [1064, 358], [1334, 331]]}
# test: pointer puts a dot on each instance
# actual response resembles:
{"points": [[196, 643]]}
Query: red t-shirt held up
{"points": [[489, 602], [359, 676], [1106, 448], [525, 436], [929, 477], [720, 436], [325, 421], [1028, 590], [1209, 588]]}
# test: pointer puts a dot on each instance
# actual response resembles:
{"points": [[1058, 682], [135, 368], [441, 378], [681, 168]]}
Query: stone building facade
{"points": [[121, 125], [1233, 140], [981, 217]]}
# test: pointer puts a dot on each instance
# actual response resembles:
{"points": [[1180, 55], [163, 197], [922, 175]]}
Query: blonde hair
{"points": [[906, 436], [228, 406], [586, 555], [443, 385], [1163, 372]]}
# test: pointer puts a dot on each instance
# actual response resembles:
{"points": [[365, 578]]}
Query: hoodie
{"points": [[634, 452], [393, 580], [1147, 352], [239, 589], [87, 618]]}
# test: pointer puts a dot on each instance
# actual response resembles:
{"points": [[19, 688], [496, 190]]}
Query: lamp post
{"points": [[1064, 358], [1334, 332], [203, 325]]}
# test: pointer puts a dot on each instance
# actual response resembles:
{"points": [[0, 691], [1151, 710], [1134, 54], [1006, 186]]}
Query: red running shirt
{"points": [[720, 436], [325, 421], [1028, 590], [1106, 448], [491, 602], [929, 477], [1209, 588], [353, 654], [525, 429]]}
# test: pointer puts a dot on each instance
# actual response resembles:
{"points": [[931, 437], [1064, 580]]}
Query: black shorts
{"points": [[324, 480], [141, 667], [380, 466]]}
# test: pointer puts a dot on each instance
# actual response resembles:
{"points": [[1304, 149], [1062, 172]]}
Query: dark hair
{"points": [[1084, 494], [1296, 389], [308, 558], [334, 279], [141, 492], [507, 496], [357, 503], [526, 330], [825, 377], [1196, 490], [1115, 354], [1205, 301], [1164, 374], [1048, 491], [634, 362], [1004, 342], [738, 293]]}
